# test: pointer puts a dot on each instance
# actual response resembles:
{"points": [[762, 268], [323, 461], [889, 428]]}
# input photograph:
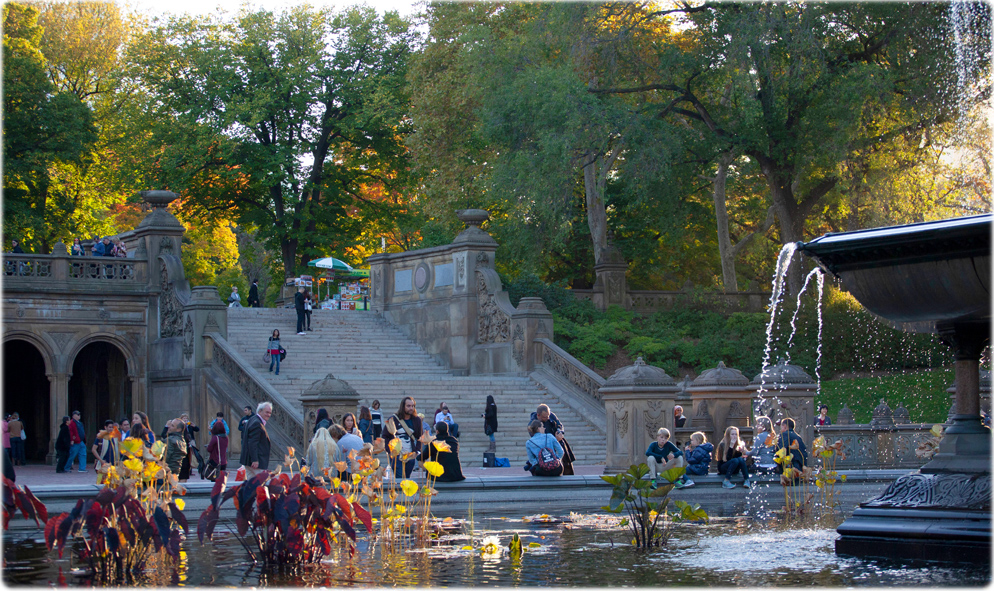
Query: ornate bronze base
{"points": [[935, 517]]}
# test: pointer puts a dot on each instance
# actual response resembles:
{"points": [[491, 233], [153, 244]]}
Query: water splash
{"points": [[776, 297], [821, 295], [964, 21], [816, 272]]}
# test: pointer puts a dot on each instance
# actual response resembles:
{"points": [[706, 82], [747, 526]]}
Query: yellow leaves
{"points": [[152, 471], [434, 468], [936, 430], [342, 466], [356, 478], [795, 444], [409, 487], [819, 442], [441, 445], [132, 447], [827, 453], [395, 446], [842, 477], [158, 448], [133, 464], [290, 451], [180, 504]]}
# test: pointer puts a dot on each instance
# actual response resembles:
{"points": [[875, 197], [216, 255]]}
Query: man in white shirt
{"points": [[444, 416]]}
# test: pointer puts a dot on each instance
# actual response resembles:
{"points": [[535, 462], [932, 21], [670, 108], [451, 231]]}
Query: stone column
{"points": [[723, 394], [332, 394], [785, 390], [882, 427], [58, 396], [531, 320], [611, 285], [638, 400]]}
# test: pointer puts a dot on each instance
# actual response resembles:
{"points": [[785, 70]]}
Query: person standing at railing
{"points": [[105, 248], [77, 248], [253, 299], [120, 250], [15, 247]]}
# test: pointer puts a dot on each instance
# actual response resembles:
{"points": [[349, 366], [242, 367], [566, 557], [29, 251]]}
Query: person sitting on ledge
{"points": [[663, 455], [448, 459], [698, 455], [799, 456], [544, 452], [730, 460], [763, 446]]}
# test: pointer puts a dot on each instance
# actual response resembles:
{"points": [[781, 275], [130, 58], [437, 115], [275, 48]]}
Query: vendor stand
{"points": [[348, 288]]}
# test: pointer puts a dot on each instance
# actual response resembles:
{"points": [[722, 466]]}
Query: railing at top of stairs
{"points": [[570, 374], [220, 355]]}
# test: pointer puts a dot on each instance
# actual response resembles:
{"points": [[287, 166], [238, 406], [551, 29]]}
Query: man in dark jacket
{"points": [[554, 426], [253, 299], [247, 412], [298, 304], [62, 445], [255, 441]]}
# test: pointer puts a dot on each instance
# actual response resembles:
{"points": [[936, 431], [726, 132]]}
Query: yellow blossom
{"points": [[395, 446], [434, 468], [180, 504], [131, 446], [441, 445], [133, 464], [409, 487]]}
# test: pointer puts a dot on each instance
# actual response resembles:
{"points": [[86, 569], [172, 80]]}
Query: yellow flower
{"points": [[409, 487], [180, 504], [356, 478], [290, 451], [842, 477], [133, 464], [131, 446], [394, 446], [434, 468], [441, 445]]}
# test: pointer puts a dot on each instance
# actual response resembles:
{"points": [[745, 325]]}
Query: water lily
{"points": [[133, 464], [490, 545], [441, 445], [180, 504], [395, 446], [131, 446], [409, 487], [434, 468]]}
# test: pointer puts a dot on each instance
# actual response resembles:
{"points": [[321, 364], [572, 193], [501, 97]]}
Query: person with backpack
{"points": [[274, 349], [553, 426], [544, 452]]}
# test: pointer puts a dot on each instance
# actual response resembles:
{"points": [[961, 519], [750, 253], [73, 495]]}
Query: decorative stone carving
{"points": [[103, 314], [735, 410], [166, 245], [640, 374], [211, 324], [482, 259], [652, 423], [494, 326], [541, 330], [377, 283], [421, 277], [621, 425], [882, 416], [845, 416], [141, 252], [949, 491], [569, 372], [460, 272], [702, 418], [61, 338], [518, 345], [20, 312], [902, 416], [170, 312], [721, 376], [188, 338]]}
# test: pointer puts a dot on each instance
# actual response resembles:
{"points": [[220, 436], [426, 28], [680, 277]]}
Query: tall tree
{"points": [[279, 119]]}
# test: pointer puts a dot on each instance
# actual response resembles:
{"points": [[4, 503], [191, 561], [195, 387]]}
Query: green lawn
{"points": [[923, 393]]}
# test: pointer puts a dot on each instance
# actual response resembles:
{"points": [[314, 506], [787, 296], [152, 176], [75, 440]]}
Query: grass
{"points": [[923, 393]]}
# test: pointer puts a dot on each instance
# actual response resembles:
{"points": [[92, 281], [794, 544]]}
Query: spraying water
{"points": [[776, 297]]}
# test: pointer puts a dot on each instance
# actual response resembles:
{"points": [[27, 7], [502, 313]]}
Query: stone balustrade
{"points": [[60, 272]]}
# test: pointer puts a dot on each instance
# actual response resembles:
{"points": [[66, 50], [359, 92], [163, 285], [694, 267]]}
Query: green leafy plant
{"points": [[645, 503]]}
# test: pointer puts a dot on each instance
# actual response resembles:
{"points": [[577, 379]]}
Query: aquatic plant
{"points": [[649, 522], [132, 519], [14, 498], [826, 475]]}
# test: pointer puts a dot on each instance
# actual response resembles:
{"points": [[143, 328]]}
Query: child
{"points": [[730, 459], [698, 455], [663, 455]]}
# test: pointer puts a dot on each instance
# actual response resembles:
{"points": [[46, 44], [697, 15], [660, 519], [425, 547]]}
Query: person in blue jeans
{"points": [[730, 458], [274, 351], [77, 439]]}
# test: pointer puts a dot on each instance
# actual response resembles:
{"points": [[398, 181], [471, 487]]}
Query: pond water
{"points": [[727, 552]]}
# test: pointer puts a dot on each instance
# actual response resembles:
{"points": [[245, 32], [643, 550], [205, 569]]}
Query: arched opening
{"points": [[99, 387], [26, 391]]}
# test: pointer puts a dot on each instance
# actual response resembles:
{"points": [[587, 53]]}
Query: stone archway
{"points": [[26, 391], [100, 387]]}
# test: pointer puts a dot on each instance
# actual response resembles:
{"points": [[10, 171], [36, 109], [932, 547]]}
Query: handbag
{"points": [[282, 354], [210, 472]]}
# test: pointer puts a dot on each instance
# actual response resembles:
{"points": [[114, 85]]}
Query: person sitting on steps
{"points": [[730, 460], [663, 455], [698, 455], [544, 452]]}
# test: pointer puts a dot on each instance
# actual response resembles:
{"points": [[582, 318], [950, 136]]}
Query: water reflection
{"points": [[733, 552]]}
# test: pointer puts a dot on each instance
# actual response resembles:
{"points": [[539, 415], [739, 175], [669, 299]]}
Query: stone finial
{"points": [[640, 374], [330, 387], [158, 199], [60, 249], [901, 416], [782, 374], [721, 376], [882, 416], [845, 416], [473, 234]]}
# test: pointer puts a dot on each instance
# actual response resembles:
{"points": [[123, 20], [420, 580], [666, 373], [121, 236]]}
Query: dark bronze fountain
{"points": [[927, 277]]}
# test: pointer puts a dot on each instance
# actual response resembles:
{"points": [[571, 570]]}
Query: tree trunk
{"points": [[725, 252], [595, 171]]}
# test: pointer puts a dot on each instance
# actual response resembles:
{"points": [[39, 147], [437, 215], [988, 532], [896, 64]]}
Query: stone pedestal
{"points": [[611, 285], [722, 398], [786, 390], [332, 394], [531, 320], [638, 400]]}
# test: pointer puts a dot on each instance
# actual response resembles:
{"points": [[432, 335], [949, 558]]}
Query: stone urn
{"points": [[331, 393]]}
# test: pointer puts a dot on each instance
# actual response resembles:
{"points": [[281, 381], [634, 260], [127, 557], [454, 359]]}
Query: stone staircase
{"points": [[381, 363]]}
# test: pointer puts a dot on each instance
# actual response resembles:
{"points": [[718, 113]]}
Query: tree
{"points": [[278, 120], [42, 129]]}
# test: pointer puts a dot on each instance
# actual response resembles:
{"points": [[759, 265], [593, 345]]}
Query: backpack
{"points": [[547, 460]]}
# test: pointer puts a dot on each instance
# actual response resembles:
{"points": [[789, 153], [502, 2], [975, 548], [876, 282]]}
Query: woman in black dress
{"points": [[490, 422]]}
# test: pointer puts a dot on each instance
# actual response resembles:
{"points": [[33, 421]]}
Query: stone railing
{"points": [[62, 267], [649, 301], [868, 447], [570, 369], [222, 356]]}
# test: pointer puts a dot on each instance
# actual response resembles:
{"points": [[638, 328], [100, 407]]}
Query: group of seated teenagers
{"points": [[732, 454]]}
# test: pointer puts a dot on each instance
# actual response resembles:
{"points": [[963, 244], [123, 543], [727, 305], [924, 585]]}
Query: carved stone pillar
{"points": [[638, 400], [611, 285], [785, 390], [723, 394], [332, 394], [58, 396], [531, 320]]}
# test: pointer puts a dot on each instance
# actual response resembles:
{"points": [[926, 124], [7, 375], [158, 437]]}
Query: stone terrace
{"points": [[380, 362]]}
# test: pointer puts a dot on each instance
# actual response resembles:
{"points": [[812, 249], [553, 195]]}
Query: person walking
{"points": [[490, 422], [552, 426], [77, 440], [16, 429], [219, 418], [193, 451], [105, 450], [406, 426], [255, 442], [62, 445], [234, 300], [298, 304], [274, 351], [253, 299], [247, 413], [217, 450]]}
